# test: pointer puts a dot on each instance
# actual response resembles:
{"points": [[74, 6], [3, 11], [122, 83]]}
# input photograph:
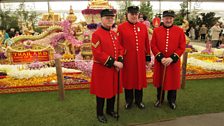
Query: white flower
{"points": [[17, 71], [216, 66]]}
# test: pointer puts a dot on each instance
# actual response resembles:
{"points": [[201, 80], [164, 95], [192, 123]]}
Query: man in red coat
{"points": [[168, 44], [133, 36], [108, 58]]}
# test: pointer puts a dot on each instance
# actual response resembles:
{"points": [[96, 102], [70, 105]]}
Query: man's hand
{"points": [[167, 61], [147, 63], [119, 65]]}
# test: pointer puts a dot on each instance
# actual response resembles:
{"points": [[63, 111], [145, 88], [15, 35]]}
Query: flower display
{"points": [[36, 65], [92, 26], [21, 71], [217, 52], [212, 66], [67, 34], [44, 34]]}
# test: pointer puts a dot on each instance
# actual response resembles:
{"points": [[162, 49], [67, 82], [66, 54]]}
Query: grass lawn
{"points": [[78, 109]]}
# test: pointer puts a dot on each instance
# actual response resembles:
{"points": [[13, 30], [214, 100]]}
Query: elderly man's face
{"points": [[168, 21], [132, 17], [107, 21]]}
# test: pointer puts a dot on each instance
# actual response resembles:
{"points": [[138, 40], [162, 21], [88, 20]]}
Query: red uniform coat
{"points": [[135, 41], [168, 41], [104, 80]]}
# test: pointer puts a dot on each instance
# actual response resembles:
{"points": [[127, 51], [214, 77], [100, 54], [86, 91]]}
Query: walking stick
{"points": [[118, 94], [161, 91]]}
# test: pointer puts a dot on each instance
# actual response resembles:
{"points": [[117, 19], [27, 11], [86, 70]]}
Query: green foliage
{"points": [[178, 20], [146, 9], [25, 17], [123, 9], [183, 10], [181, 14], [9, 19], [38, 29], [208, 19]]}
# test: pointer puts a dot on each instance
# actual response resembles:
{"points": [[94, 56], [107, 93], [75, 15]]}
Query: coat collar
{"points": [[168, 27], [107, 29], [131, 23]]}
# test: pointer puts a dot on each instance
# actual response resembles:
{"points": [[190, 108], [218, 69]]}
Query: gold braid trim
{"points": [[96, 45]]}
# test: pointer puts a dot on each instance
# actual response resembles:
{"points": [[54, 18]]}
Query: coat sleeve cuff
{"points": [[120, 59], [148, 58], [159, 57], [174, 57], [109, 62]]}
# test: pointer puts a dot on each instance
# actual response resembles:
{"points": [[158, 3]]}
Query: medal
{"points": [[138, 29]]}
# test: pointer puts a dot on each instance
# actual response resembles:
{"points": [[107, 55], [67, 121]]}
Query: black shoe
{"points": [[140, 105], [158, 104], [173, 105], [113, 114], [128, 105], [102, 118]]}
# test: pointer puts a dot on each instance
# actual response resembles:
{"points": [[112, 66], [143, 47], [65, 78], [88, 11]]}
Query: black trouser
{"points": [[129, 95], [203, 36], [100, 105], [215, 43], [218, 43], [171, 95]]}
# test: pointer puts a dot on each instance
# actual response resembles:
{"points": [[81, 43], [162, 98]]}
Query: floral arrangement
{"points": [[19, 75], [21, 71], [212, 66], [204, 57], [91, 11], [36, 65], [196, 70], [93, 15], [92, 26], [55, 39], [85, 66], [45, 23], [2, 55], [66, 35], [48, 23], [44, 34]]}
